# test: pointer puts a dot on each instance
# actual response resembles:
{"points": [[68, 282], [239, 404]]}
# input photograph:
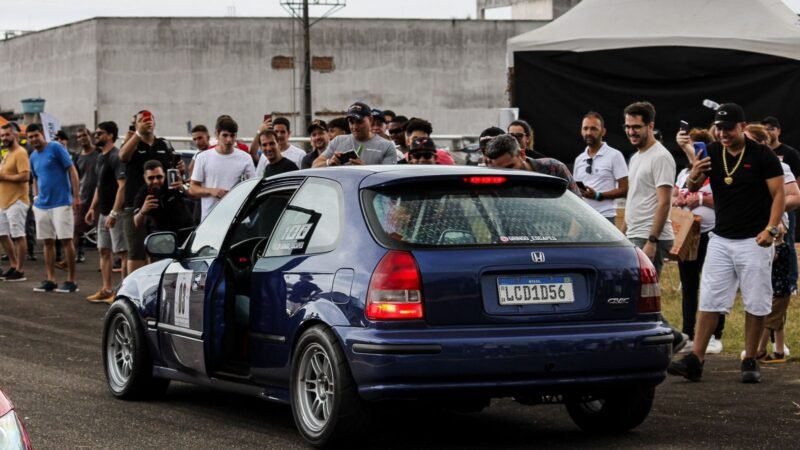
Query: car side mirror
{"points": [[161, 245]]}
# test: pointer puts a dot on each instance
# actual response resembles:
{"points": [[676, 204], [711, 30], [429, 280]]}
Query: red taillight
{"points": [[650, 296], [484, 180], [395, 290]]}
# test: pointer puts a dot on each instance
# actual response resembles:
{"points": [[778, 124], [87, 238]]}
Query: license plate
{"points": [[534, 290]]}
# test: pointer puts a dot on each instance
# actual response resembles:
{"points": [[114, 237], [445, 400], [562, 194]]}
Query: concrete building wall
{"points": [[451, 72], [58, 65]]}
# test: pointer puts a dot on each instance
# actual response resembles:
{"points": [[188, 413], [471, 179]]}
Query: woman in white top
{"points": [[700, 203]]}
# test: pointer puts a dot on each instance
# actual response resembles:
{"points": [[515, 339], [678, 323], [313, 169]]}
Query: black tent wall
{"points": [[554, 89]]}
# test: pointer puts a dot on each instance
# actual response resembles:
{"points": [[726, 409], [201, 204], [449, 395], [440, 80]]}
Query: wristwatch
{"points": [[113, 214], [773, 231], [652, 239]]}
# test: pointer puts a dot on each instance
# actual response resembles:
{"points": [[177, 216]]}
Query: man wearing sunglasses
{"points": [[423, 151], [600, 171], [503, 152], [523, 133], [396, 130]]}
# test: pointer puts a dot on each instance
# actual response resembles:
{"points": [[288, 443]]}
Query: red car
{"points": [[12, 431]]}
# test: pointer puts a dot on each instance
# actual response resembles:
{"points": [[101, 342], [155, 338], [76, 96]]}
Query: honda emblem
{"points": [[538, 257]]}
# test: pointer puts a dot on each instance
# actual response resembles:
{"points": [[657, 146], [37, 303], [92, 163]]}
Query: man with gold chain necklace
{"points": [[747, 184]]}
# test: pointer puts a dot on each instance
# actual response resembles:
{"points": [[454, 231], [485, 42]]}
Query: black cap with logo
{"points": [[728, 115], [359, 111], [317, 124]]}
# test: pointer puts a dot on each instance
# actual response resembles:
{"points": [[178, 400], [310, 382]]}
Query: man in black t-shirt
{"points": [[277, 162], [791, 157], [108, 196], [318, 134], [142, 146], [158, 207], [747, 183]]}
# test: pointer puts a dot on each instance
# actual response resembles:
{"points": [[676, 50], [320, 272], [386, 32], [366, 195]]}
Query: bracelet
{"points": [[139, 135], [700, 199], [328, 162], [598, 195], [691, 180]]}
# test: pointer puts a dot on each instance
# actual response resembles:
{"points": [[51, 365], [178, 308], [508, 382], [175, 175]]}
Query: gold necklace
{"points": [[729, 177]]}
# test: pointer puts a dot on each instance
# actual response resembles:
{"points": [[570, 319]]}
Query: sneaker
{"points": [[774, 358], [750, 371], [688, 347], [679, 341], [714, 346], [5, 274], [46, 286], [101, 296], [15, 276], [81, 258], [786, 351], [61, 265], [689, 367], [67, 287]]}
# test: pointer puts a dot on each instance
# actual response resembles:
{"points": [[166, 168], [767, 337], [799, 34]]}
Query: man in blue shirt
{"points": [[56, 195]]}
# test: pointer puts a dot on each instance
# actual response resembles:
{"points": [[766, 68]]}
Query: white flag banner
{"points": [[50, 124]]}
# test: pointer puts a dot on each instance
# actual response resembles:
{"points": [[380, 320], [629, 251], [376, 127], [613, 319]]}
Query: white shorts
{"points": [[732, 264], [12, 219], [113, 238], [54, 223]]}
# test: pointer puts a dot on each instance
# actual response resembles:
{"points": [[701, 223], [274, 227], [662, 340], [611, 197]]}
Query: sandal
{"points": [[775, 358]]}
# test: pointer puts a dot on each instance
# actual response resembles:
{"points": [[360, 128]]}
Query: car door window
{"points": [[210, 234], [311, 223]]}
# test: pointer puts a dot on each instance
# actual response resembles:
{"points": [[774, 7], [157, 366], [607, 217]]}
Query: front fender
{"points": [[142, 286]]}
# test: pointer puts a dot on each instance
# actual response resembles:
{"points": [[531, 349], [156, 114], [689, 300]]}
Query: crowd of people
{"points": [[740, 182]]}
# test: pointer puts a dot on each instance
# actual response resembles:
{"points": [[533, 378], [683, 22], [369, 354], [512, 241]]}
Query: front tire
{"points": [[613, 412], [325, 403], [126, 359]]}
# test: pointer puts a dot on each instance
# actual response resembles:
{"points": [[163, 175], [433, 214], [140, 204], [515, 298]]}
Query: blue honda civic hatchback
{"points": [[333, 289]]}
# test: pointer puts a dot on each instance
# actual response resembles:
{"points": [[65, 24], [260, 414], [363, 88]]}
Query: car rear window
{"points": [[419, 215]]}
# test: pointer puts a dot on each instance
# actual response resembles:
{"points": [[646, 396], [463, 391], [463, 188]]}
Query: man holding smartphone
{"points": [[160, 207], [360, 147], [600, 171], [142, 146], [747, 185]]}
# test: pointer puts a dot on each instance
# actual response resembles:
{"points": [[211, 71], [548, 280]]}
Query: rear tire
{"points": [[614, 412], [126, 359], [325, 403]]}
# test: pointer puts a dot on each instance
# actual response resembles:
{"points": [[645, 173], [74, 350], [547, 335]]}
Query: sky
{"points": [[31, 15]]}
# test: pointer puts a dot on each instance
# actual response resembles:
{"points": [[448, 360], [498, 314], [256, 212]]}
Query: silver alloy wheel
{"points": [[315, 387], [119, 352]]}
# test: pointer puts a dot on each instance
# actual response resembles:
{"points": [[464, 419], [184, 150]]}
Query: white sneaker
{"points": [[785, 349], [714, 346], [688, 348]]}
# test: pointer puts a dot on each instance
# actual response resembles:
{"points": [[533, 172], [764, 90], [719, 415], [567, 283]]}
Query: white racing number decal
{"points": [[296, 232], [183, 289]]}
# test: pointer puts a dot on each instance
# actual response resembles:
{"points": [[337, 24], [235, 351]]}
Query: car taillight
{"points": [[650, 295], [484, 180], [395, 289]]}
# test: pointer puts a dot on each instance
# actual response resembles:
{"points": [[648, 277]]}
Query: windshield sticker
{"points": [[506, 239], [183, 289], [296, 232]]}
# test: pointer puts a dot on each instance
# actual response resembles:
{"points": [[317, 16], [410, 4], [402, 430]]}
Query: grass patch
{"points": [[733, 335]]}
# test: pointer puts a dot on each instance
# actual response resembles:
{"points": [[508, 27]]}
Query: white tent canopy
{"points": [[759, 26]]}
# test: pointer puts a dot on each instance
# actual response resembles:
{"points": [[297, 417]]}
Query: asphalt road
{"points": [[50, 365]]}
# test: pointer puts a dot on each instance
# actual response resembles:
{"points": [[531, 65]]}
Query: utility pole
{"points": [[299, 9]]}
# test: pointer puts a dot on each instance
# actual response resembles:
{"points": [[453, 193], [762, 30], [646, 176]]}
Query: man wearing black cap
{"points": [[791, 157], [423, 151], [747, 183], [318, 132], [361, 146]]}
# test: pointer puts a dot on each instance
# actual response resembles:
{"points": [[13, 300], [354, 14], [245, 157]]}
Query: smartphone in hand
{"points": [[700, 150], [346, 157], [581, 186], [684, 126]]}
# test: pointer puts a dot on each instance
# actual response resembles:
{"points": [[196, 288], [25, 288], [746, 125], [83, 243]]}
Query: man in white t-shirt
{"points": [[600, 171], [651, 174], [218, 170]]}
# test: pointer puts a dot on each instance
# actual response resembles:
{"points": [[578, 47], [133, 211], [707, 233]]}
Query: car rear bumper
{"points": [[507, 361]]}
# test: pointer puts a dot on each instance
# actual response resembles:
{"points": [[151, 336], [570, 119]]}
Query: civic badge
{"points": [[538, 257]]}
